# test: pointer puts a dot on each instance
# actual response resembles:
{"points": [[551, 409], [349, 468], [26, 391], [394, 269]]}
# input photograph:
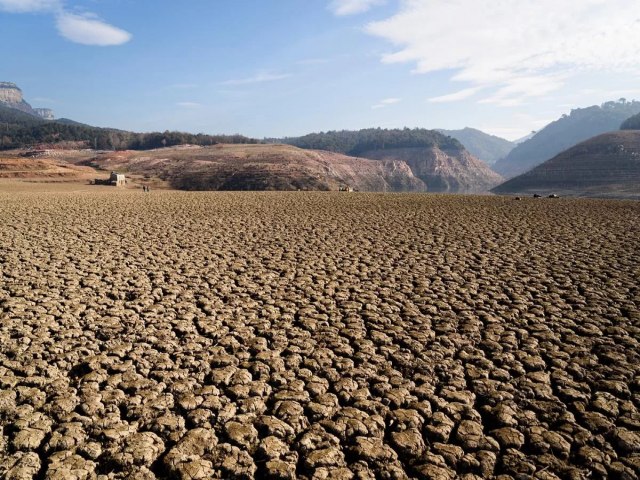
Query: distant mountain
{"points": [[440, 161], [487, 148], [524, 139], [260, 167], [581, 124], [607, 165]]}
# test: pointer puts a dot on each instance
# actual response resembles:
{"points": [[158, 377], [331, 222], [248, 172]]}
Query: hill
{"points": [[604, 166], [440, 161], [487, 148], [581, 124], [260, 167]]}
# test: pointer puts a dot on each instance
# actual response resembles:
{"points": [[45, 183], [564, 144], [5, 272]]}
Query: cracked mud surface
{"points": [[317, 336]]}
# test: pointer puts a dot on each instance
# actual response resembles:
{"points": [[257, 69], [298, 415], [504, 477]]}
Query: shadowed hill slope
{"points": [[605, 166]]}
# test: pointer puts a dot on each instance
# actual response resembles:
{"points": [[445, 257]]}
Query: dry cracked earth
{"points": [[318, 336]]}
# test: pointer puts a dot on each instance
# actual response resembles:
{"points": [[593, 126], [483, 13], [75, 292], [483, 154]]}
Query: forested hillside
{"points": [[21, 130], [632, 123], [352, 142]]}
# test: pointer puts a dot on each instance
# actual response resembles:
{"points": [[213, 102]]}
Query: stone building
{"points": [[115, 180]]}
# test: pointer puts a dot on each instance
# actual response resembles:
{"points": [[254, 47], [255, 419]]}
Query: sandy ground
{"points": [[317, 335]]}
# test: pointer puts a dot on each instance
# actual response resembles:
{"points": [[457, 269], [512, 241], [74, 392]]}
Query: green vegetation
{"points": [[21, 130], [357, 142]]}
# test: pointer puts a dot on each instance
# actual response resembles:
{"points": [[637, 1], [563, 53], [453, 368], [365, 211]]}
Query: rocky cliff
{"points": [[604, 166], [443, 170], [11, 96], [10, 93], [45, 113]]}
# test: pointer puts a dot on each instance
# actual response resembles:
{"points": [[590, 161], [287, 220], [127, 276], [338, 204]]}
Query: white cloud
{"points": [[352, 7], [456, 96], [25, 6], [86, 29], [520, 48], [258, 78], [386, 102], [518, 89], [89, 30]]}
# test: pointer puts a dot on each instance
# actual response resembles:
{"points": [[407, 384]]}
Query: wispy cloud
{"points": [[456, 96], [386, 102], [352, 7], [86, 29], [258, 78], [27, 6], [477, 40], [89, 30], [518, 89], [189, 104]]}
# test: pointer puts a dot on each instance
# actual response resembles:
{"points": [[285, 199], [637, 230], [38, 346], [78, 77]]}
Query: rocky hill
{"points": [[11, 96], [440, 161], [604, 166], [485, 147], [261, 167], [580, 125], [443, 170]]}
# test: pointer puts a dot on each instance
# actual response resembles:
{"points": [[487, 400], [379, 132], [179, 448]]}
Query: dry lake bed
{"points": [[317, 336]]}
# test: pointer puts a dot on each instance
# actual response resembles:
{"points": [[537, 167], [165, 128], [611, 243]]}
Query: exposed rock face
{"points": [[10, 93], [607, 165], [11, 96], [454, 170], [45, 113]]}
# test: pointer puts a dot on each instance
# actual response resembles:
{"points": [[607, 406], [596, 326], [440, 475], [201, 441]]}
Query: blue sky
{"points": [[288, 67]]}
